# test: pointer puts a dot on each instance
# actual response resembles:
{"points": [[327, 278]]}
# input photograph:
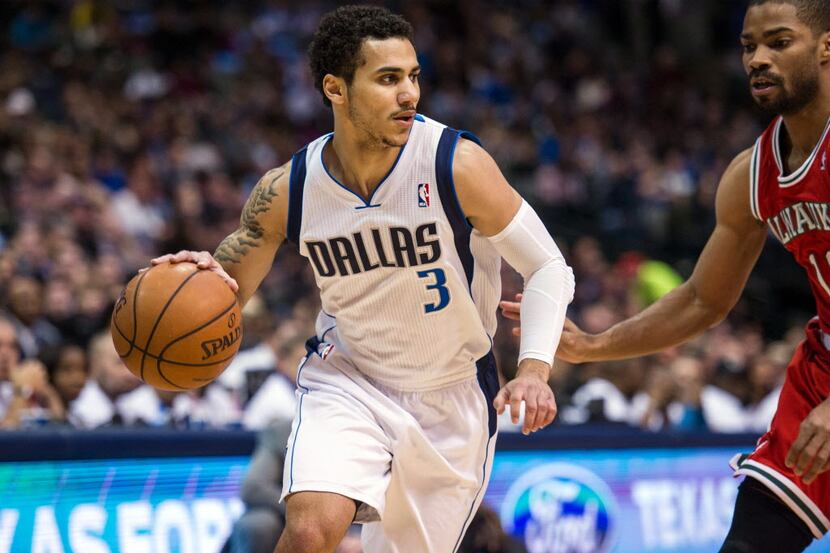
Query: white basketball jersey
{"points": [[409, 289]]}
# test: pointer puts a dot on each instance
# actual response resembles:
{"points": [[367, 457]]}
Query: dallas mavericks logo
{"points": [[560, 508], [423, 194]]}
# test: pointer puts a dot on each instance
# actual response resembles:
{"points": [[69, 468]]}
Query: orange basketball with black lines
{"points": [[176, 327]]}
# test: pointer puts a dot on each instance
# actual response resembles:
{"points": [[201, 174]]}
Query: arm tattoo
{"points": [[250, 232]]}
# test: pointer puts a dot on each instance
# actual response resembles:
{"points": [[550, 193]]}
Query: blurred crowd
{"points": [[131, 128]]}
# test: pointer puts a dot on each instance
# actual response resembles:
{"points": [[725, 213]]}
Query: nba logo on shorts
{"points": [[423, 194]]}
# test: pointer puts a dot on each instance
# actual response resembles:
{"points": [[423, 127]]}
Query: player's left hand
{"points": [[809, 455], [530, 386]]}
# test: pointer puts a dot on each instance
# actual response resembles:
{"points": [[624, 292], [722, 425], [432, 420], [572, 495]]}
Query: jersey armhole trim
{"points": [[461, 227], [296, 185], [754, 162], [443, 167]]}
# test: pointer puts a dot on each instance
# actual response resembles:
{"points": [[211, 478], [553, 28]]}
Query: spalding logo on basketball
{"points": [[560, 507], [219, 345], [177, 327]]}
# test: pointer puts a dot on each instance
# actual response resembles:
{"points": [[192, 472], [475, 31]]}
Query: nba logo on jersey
{"points": [[423, 194], [824, 160]]}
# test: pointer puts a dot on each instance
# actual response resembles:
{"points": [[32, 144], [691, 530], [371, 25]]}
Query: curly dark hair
{"points": [[814, 13], [335, 47]]}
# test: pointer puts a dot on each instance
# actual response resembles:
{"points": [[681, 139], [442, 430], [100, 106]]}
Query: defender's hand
{"points": [[512, 310], [574, 345], [203, 260], [809, 455], [530, 386]]}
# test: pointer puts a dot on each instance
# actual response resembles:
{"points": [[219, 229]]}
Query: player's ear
{"points": [[335, 89], [824, 47]]}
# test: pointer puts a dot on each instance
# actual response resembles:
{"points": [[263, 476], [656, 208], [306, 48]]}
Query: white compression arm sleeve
{"points": [[549, 283]]}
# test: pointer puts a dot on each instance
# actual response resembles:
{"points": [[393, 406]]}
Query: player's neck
{"points": [[804, 129], [357, 165]]}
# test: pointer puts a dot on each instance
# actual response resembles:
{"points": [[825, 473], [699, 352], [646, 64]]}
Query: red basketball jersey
{"points": [[796, 207]]}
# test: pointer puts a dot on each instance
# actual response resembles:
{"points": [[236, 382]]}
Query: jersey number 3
{"points": [[438, 286]]}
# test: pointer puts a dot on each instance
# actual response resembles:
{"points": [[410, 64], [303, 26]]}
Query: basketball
{"points": [[176, 327]]}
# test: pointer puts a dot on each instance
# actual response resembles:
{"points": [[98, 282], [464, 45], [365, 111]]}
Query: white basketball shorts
{"points": [[418, 463]]}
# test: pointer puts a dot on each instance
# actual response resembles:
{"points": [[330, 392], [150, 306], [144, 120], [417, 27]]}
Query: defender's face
{"points": [[780, 55], [384, 93]]}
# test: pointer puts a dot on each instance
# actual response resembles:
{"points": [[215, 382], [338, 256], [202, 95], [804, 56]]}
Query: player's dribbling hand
{"points": [[530, 386], [574, 343], [203, 260], [809, 455]]}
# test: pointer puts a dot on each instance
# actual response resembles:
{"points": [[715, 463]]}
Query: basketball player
{"points": [[781, 185], [404, 221]]}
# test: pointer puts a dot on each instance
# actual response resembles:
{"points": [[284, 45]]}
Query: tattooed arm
{"points": [[245, 256], [248, 253]]}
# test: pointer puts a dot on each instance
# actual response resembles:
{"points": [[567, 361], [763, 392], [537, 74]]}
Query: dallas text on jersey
{"points": [[361, 253]]}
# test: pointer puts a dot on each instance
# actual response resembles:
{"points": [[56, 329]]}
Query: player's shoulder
{"points": [[738, 169], [273, 186], [734, 202], [467, 150], [268, 201]]}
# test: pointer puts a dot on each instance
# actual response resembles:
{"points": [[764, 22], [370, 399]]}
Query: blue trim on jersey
{"points": [[488, 380], [419, 117], [461, 228], [299, 422], [470, 514], [296, 184], [366, 203], [312, 345]]}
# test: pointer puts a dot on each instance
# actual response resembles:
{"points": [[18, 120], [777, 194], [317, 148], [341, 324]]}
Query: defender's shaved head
{"points": [[814, 13]]}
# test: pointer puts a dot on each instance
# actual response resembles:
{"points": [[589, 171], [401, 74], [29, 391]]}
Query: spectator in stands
{"points": [[67, 370], [99, 401], [725, 394], [147, 406], [260, 526], [35, 402], [661, 390], [24, 299], [208, 407], [276, 399], [614, 394], [690, 378], [256, 358], [766, 377], [485, 535], [9, 359]]}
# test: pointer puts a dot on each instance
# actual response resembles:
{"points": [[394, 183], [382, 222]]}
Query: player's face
{"points": [[384, 93], [780, 55]]}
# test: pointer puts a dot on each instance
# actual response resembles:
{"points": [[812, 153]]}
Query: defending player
{"points": [[781, 185], [404, 222]]}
